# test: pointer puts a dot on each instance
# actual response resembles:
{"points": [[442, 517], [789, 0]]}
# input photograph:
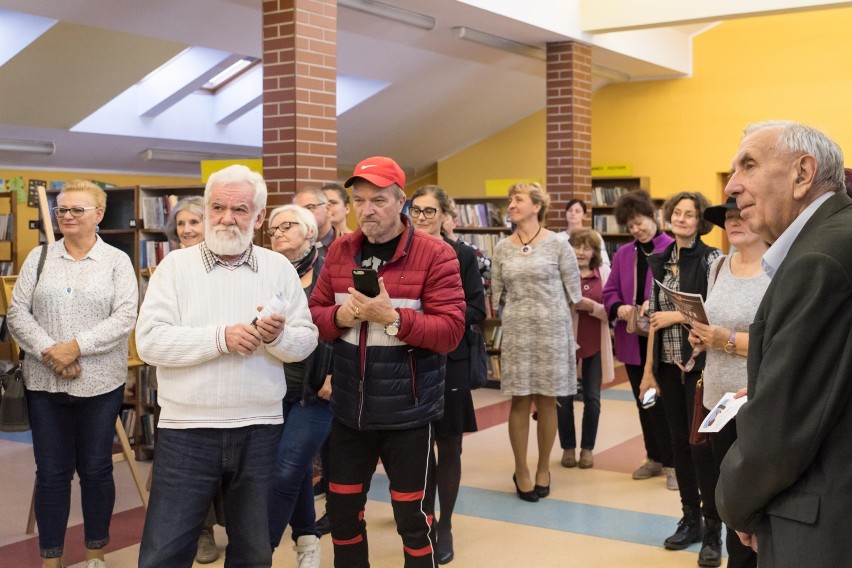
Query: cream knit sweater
{"points": [[181, 330]]}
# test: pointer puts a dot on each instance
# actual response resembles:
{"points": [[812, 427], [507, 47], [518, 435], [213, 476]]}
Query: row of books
{"points": [[607, 224], [152, 253], [495, 339], [7, 268], [147, 391], [486, 242], [128, 420], [479, 215], [607, 195], [7, 227], [155, 210]]}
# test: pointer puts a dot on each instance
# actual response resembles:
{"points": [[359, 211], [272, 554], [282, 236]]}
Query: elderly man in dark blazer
{"points": [[786, 484]]}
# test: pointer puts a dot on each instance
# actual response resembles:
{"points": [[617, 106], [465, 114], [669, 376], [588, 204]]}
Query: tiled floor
{"points": [[598, 518]]}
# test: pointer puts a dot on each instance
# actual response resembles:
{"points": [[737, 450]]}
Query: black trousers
{"points": [[408, 461], [696, 470], [655, 428]]}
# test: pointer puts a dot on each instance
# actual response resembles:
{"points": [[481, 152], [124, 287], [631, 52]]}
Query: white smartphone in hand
{"points": [[650, 398]]}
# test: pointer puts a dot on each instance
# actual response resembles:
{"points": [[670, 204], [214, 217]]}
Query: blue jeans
{"points": [[291, 495], [73, 434], [189, 466], [591, 408]]}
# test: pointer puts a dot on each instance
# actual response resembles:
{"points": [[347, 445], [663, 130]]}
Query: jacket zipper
{"points": [[362, 348], [413, 369]]}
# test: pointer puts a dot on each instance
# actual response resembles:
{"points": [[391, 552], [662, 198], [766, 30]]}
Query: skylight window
{"points": [[230, 73]]}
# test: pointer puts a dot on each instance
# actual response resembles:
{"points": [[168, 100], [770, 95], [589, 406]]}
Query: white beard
{"points": [[227, 240]]}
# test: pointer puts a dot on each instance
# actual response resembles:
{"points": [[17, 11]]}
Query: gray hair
{"points": [[797, 138], [315, 191], [239, 174], [194, 204], [307, 221]]}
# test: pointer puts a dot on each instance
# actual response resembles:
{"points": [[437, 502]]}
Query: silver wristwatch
{"points": [[393, 328]]}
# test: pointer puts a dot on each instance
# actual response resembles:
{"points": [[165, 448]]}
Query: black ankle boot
{"points": [[688, 530], [711, 550]]}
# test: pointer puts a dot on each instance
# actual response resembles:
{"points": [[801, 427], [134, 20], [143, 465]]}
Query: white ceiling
{"points": [[442, 93]]}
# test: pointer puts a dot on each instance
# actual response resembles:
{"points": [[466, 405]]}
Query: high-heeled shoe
{"points": [[530, 496], [543, 490]]}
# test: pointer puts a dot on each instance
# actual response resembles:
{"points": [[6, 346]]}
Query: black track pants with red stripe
{"points": [[407, 458]]}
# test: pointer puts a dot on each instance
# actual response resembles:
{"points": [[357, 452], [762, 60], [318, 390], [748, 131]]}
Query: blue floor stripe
{"points": [[620, 395], [590, 520], [22, 437]]}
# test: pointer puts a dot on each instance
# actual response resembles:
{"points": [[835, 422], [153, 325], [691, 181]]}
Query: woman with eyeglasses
{"points": [[737, 285], [73, 321], [307, 419], [430, 208], [673, 367]]}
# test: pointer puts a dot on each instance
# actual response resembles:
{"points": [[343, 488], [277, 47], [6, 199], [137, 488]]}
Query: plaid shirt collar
{"points": [[211, 259]]}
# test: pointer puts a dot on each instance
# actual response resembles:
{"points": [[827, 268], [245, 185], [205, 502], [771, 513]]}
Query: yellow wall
{"points": [[682, 133], [515, 152]]}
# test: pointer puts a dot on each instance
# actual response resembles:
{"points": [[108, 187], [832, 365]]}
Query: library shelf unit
{"points": [[481, 223], [605, 193], [8, 250]]}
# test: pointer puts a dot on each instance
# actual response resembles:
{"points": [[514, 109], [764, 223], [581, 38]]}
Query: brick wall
{"points": [[569, 127], [299, 95]]}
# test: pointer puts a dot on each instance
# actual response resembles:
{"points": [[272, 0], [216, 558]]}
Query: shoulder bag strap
{"points": [[42, 257]]}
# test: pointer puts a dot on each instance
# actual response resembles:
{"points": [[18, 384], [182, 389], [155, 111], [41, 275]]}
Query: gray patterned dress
{"points": [[538, 348]]}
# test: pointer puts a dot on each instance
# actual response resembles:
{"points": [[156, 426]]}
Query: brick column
{"points": [[569, 127], [299, 95]]}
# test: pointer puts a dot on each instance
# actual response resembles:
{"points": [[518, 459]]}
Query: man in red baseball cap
{"points": [[388, 364], [380, 171]]}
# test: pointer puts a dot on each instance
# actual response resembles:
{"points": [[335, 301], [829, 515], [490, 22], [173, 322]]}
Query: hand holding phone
{"points": [[366, 281], [650, 398]]}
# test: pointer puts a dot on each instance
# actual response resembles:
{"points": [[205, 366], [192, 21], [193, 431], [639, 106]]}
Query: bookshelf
{"points": [[8, 250], [605, 194], [481, 223], [155, 203]]}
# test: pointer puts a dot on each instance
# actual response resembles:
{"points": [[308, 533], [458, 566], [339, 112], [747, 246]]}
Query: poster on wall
{"points": [[32, 191], [16, 184]]}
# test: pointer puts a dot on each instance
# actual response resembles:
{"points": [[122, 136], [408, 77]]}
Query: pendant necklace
{"points": [[69, 287], [526, 248]]}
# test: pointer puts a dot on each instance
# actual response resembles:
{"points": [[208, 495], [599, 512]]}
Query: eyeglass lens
{"points": [[427, 212], [75, 211]]}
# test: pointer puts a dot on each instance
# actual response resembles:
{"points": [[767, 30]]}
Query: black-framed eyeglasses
{"points": [[282, 228], [428, 212], [75, 211]]}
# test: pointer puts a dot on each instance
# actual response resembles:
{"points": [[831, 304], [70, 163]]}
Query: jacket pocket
{"points": [[796, 506]]}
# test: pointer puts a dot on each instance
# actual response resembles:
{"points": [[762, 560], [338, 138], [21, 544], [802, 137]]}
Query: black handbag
{"points": [[14, 416], [478, 357]]}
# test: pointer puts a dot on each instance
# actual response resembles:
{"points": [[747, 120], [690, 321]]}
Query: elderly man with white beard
{"points": [[220, 375]]}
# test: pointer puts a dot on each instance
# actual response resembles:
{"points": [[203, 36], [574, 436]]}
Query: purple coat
{"points": [[619, 289]]}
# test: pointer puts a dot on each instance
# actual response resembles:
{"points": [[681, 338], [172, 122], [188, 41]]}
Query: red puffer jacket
{"points": [[381, 382]]}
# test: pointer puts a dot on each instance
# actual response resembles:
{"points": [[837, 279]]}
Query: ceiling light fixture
{"points": [[490, 40], [230, 73], [389, 12], [29, 146], [155, 154]]}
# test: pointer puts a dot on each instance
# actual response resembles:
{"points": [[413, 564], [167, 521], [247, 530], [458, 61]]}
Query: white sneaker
{"points": [[671, 478], [95, 563], [308, 552]]}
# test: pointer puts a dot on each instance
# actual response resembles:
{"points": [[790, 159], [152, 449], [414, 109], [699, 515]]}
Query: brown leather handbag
{"points": [[699, 413]]}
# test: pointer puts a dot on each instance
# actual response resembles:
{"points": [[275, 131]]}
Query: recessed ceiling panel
{"points": [[72, 70]]}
